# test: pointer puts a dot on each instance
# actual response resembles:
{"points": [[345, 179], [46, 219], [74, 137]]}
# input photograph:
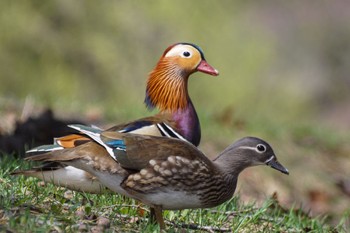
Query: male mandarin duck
{"points": [[166, 90], [164, 173]]}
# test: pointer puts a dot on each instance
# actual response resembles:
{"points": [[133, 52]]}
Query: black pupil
{"points": [[186, 54], [261, 148]]}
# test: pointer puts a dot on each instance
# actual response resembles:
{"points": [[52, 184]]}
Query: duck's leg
{"points": [[152, 215], [159, 216]]}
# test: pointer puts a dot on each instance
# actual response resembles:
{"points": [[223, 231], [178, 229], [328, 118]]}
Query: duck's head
{"points": [[247, 152], [186, 58], [167, 82]]}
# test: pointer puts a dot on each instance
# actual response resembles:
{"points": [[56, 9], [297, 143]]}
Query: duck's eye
{"points": [[261, 148], [186, 54]]}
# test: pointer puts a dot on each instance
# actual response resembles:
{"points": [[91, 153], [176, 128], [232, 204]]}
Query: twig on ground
{"points": [[124, 205], [234, 213], [197, 227]]}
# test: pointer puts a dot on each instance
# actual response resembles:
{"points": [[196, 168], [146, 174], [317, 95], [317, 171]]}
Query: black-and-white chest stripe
{"points": [[167, 131]]}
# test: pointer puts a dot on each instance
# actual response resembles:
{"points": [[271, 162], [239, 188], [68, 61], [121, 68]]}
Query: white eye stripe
{"points": [[253, 148], [248, 147], [179, 50]]}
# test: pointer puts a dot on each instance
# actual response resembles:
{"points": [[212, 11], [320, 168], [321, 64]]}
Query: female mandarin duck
{"points": [[164, 173], [166, 90]]}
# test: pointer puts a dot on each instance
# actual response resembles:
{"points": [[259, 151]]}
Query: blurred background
{"points": [[284, 76]]}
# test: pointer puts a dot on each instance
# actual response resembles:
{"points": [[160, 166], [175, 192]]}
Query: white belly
{"points": [[173, 200], [112, 181], [72, 178]]}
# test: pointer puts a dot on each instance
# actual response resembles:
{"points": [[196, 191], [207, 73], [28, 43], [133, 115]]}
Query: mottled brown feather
{"points": [[140, 149]]}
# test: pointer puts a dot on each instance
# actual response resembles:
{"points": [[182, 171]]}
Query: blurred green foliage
{"points": [[279, 61], [284, 72]]}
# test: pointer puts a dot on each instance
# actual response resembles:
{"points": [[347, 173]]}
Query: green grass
{"points": [[271, 85], [28, 205]]}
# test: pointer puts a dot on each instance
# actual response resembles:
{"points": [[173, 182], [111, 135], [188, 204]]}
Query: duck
{"points": [[166, 90], [162, 172]]}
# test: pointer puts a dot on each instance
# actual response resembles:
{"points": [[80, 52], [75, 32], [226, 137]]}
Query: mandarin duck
{"points": [[166, 90], [164, 173]]}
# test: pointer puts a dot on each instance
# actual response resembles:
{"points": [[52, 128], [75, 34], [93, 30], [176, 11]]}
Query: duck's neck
{"points": [[187, 123], [167, 88], [231, 162], [167, 91]]}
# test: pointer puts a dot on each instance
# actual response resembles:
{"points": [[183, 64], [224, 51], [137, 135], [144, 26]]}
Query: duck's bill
{"points": [[276, 165], [206, 68]]}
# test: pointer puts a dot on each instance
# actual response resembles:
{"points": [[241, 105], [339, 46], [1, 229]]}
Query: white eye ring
{"points": [[260, 148], [184, 51]]}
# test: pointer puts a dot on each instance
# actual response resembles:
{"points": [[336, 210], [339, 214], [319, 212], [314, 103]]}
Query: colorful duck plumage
{"points": [[167, 91], [165, 173]]}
